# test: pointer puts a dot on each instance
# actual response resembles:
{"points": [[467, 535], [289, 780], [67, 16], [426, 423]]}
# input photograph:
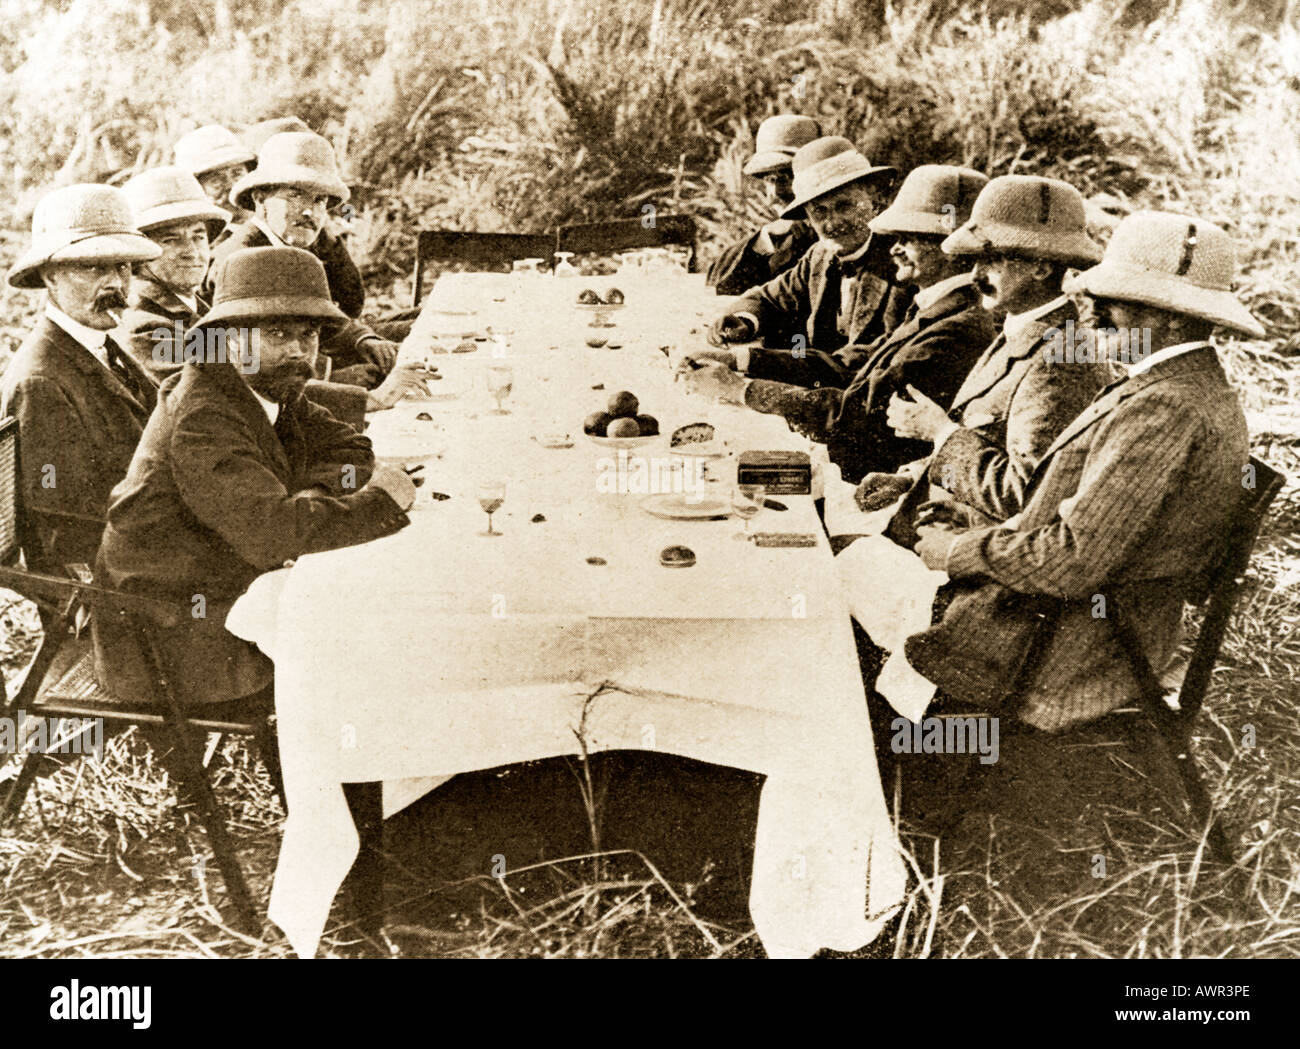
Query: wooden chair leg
{"points": [[18, 789], [365, 882], [214, 823], [268, 748]]}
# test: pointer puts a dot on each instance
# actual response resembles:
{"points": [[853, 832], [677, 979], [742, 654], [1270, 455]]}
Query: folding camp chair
{"points": [[1217, 589], [478, 251], [71, 691], [606, 238]]}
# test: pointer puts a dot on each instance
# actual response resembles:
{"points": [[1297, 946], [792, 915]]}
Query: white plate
{"points": [[711, 450], [623, 442], [682, 506]]}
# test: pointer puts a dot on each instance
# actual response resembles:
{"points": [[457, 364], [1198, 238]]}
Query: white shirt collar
{"points": [[927, 297], [1015, 323], [1147, 363], [276, 242], [91, 338], [270, 407]]}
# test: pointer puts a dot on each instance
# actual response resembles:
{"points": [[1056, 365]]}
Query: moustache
{"points": [[109, 300], [983, 286], [300, 370]]}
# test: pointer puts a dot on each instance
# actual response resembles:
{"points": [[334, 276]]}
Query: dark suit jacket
{"points": [[1133, 498], [932, 351], [359, 355], [739, 267], [216, 496], [78, 425], [806, 300], [156, 310]]}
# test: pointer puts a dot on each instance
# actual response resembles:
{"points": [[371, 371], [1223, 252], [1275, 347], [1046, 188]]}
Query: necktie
{"points": [[128, 375]]}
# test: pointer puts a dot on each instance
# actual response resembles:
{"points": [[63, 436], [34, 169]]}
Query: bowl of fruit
{"points": [[619, 425], [601, 309]]}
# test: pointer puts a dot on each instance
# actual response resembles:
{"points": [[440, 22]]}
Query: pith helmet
{"points": [[1038, 218], [162, 196], [256, 283], [778, 139], [210, 148], [826, 164], [293, 158]]}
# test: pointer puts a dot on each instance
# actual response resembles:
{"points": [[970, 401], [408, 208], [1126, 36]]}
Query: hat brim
{"points": [[795, 209], [1073, 248], [899, 220], [223, 157], [767, 162], [1124, 283], [104, 247], [291, 175], [273, 306], [183, 211]]}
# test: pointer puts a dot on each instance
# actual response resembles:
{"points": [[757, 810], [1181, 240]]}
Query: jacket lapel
{"points": [[1005, 351], [83, 361]]}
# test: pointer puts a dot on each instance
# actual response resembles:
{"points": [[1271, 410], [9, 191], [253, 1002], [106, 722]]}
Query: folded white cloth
{"points": [[891, 593], [840, 510]]}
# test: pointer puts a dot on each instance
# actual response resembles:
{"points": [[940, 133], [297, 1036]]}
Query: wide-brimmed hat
{"points": [[271, 282], [1037, 218], [293, 158], [779, 139], [1173, 262], [934, 199], [86, 222], [255, 137], [163, 196], [210, 148], [826, 164]]}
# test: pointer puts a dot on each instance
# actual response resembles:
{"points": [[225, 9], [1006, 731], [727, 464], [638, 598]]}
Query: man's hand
{"points": [[730, 328], [945, 514], [934, 544], [879, 490], [920, 417], [407, 377], [395, 482], [687, 364], [713, 380]]}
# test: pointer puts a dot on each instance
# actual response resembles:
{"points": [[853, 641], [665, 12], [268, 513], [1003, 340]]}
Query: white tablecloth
{"points": [[438, 651]]}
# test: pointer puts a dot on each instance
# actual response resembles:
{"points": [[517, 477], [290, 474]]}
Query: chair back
{"points": [[479, 251], [605, 238], [10, 542]]}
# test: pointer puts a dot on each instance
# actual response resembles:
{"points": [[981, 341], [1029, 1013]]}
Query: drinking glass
{"points": [[565, 268], [747, 500], [500, 380], [490, 497]]}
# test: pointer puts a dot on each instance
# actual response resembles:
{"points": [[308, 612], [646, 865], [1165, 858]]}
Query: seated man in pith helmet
{"points": [[167, 297], [215, 157], [1024, 234], [81, 401], [773, 249], [236, 473], [841, 294], [942, 333], [290, 192]]}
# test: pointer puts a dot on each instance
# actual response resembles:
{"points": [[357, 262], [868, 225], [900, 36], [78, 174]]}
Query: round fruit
{"points": [[613, 296], [588, 297], [595, 423], [623, 428], [623, 405], [648, 425]]}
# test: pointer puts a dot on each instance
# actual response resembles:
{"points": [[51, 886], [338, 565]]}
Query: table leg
{"points": [[365, 882]]}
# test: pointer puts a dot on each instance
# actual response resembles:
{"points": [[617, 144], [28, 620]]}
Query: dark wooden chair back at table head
{"points": [[479, 251], [606, 238]]}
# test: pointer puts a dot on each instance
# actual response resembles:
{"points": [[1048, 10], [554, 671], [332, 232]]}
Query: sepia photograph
{"points": [[703, 479]]}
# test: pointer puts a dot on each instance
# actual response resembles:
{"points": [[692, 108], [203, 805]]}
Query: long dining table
{"points": [[441, 650]]}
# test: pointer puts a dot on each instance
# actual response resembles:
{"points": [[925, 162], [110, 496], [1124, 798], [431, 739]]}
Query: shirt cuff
{"points": [[742, 352]]}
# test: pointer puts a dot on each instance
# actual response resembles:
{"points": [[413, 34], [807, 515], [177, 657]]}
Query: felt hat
{"points": [[86, 222], [778, 139], [293, 158], [258, 283], [162, 196], [255, 137], [934, 198], [210, 148], [826, 164], [1037, 218], [1173, 262]]}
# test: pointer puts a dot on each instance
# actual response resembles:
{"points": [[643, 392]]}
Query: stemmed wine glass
{"points": [[565, 268], [490, 496], [747, 500], [500, 380]]}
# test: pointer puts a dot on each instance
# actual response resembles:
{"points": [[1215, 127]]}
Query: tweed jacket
{"points": [[739, 267], [932, 350], [148, 330], [1015, 401], [1131, 499], [358, 354], [805, 300], [78, 425], [215, 496]]}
